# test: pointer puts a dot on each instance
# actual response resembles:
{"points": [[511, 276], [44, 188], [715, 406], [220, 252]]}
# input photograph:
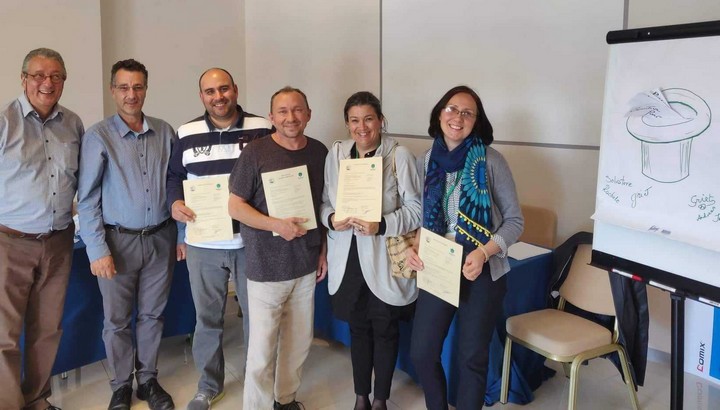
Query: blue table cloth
{"points": [[82, 322], [527, 292]]}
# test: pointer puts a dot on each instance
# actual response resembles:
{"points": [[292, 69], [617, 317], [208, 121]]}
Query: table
{"points": [[527, 291], [82, 322]]}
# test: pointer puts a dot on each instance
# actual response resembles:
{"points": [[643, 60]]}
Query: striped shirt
{"points": [[206, 151]]}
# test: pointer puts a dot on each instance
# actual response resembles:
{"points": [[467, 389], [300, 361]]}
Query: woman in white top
{"points": [[364, 293]]}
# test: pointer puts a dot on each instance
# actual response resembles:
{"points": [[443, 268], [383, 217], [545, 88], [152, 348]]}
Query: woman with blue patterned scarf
{"points": [[469, 196]]}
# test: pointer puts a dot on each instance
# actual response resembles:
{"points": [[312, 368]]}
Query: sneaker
{"points": [[293, 405], [204, 401], [153, 393], [121, 398]]}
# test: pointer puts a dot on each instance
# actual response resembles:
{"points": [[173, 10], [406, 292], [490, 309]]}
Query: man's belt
{"points": [[24, 235], [140, 232]]}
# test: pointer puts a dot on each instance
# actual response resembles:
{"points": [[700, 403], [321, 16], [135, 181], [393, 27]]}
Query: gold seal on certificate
{"points": [[359, 192], [287, 194], [442, 259], [208, 198]]}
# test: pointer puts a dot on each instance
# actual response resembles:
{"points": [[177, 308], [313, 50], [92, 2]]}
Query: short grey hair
{"points": [[44, 52]]}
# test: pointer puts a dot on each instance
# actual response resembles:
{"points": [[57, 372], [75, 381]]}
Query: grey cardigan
{"points": [[401, 208], [507, 219]]}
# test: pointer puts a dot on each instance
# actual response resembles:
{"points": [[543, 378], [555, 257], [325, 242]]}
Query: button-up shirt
{"points": [[38, 166], [122, 179]]}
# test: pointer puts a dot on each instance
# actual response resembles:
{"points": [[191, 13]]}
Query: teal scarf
{"points": [[474, 213]]}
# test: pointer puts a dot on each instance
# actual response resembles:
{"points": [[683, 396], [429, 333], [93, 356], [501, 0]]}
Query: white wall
{"points": [[176, 40], [25, 26], [327, 48]]}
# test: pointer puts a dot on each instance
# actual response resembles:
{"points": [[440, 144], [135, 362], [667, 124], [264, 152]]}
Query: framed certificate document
{"points": [[287, 193], [359, 192], [443, 260], [208, 198]]}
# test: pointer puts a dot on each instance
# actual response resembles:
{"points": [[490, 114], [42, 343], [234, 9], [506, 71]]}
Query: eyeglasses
{"points": [[40, 77], [451, 109], [124, 88]]}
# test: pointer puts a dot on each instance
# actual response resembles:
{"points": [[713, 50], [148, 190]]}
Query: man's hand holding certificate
{"points": [[359, 192], [288, 195], [208, 199], [442, 259]]}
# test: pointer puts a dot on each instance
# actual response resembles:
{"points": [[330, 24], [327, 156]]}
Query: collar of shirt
{"points": [[239, 124], [124, 130], [354, 152], [28, 109]]}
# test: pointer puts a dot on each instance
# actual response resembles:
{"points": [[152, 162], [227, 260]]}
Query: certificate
{"points": [[208, 198], [359, 191], [287, 194], [443, 260]]}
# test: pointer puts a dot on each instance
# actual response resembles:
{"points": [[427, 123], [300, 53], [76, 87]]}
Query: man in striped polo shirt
{"points": [[209, 146]]}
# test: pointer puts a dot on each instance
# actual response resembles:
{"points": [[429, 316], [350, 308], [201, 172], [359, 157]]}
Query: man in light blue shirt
{"points": [[39, 146], [130, 238]]}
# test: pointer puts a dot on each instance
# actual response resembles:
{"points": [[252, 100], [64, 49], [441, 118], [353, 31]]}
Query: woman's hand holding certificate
{"points": [[359, 192], [441, 259]]}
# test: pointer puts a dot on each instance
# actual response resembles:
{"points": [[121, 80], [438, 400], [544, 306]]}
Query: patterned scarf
{"points": [[474, 211]]}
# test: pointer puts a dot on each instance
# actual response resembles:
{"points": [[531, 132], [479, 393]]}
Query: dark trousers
{"points": [[480, 303], [374, 343], [374, 329], [33, 281]]}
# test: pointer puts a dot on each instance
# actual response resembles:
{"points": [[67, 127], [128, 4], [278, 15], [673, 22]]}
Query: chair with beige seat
{"points": [[568, 338], [540, 226]]}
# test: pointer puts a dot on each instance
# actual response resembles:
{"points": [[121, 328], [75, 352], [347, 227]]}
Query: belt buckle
{"points": [[42, 236], [145, 232]]}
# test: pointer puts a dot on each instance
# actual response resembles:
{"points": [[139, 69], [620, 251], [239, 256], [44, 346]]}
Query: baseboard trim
{"points": [[658, 356]]}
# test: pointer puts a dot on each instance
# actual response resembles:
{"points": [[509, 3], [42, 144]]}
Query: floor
{"points": [[327, 382]]}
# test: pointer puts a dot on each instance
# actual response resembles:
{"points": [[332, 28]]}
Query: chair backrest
{"points": [[586, 286], [540, 226]]}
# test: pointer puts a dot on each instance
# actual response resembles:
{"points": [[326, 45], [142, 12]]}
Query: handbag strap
{"points": [[397, 182]]}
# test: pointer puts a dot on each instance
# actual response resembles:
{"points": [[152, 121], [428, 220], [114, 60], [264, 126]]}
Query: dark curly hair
{"points": [[128, 65]]}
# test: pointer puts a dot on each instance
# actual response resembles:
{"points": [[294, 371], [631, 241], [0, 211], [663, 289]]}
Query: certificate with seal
{"points": [[287, 194], [208, 198], [359, 191], [443, 260]]}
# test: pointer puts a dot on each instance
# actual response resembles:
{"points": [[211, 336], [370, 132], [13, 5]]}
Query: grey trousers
{"points": [[210, 270], [144, 267]]}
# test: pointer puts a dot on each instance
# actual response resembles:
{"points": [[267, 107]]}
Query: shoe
{"points": [[293, 405], [153, 393], [121, 399], [204, 401]]}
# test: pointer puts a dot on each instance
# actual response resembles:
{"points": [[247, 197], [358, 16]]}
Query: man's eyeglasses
{"points": [[40, 77], [124, 88], [451, 109]]}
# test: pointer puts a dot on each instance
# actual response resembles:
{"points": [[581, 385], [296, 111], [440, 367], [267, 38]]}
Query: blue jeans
{"points": [[210, 270]]}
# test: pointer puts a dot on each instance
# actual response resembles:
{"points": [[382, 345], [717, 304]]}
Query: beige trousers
{"points": [[281, 332]]}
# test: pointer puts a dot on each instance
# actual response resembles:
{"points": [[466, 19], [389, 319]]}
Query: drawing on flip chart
{"points": [[666, 121]]}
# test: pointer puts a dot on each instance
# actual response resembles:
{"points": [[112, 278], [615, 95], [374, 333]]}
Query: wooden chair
{"points": [[568, 338], [540, 226]]}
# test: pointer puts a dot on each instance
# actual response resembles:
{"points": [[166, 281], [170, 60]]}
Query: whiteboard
{"points": [[658, 192], [658, 171], [538, 66]]}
